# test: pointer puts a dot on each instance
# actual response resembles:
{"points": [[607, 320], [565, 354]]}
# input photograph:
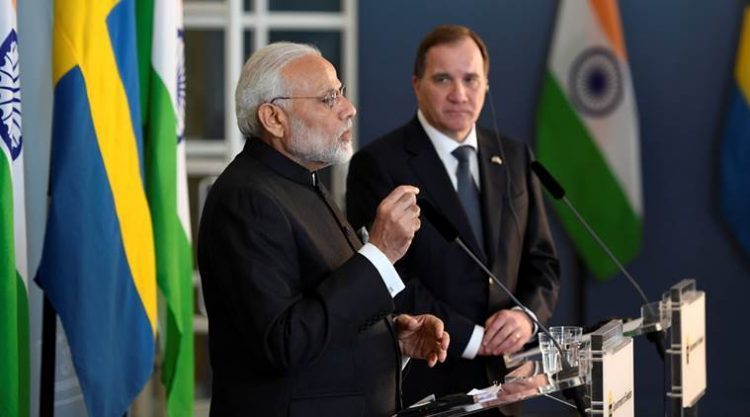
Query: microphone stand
{"points": [[449, 232], [606, 249], [558, 193], [571, 393]]}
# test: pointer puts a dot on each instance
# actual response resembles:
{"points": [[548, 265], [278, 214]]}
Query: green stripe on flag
{"points": [[144, 20], [9, 404], [174, 256], [24, 370], [567, 150], [180, 395], [173, 253], [14, 331]]}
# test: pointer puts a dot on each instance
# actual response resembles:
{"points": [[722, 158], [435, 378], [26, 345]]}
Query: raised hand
{"points": [[396, 221], [422, 337]]}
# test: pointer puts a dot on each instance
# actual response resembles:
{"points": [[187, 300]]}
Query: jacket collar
{"points": [[276, 161]]}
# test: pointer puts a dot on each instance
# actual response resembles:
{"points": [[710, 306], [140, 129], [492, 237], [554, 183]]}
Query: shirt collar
{"points": [[443, 144]]}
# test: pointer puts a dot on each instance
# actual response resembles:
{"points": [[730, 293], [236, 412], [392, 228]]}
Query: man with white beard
{"points": [[298, 309]]}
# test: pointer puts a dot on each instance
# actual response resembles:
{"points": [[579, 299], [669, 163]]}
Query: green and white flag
{"points": [[14, 304], [162, 78], [587, 131]]}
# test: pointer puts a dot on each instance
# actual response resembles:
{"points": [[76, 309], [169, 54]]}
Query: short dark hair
{"points": [[445, 34]]}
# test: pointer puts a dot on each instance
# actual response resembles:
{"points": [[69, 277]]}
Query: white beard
{"points": [[311, 145]]}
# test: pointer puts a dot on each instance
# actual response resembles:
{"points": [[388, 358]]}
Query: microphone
{"points": [[558, 193], [449, 232]]}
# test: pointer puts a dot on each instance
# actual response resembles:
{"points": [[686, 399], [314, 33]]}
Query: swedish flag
{"points": [[97, 265], [735, 152]]}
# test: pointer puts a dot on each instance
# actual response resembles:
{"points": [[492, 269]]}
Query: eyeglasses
{"points": [[331, 99]]}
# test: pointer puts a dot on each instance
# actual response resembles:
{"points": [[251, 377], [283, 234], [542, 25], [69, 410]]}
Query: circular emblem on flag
{"points": [[10, 95], [595, 82], [180, 84]]}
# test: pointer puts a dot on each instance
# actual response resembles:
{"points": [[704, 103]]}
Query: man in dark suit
{"points": [[298, 309], [482, 182]]}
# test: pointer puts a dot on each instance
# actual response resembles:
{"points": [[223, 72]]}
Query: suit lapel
{"points": [[351, 237], [492, 173], [436, 184]]}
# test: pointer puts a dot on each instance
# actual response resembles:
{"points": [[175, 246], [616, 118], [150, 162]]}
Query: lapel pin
{"points": [[496, 160]]}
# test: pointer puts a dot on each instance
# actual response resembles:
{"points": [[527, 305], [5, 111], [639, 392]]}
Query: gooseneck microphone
{"points": [[558, 193], [449, 232]]}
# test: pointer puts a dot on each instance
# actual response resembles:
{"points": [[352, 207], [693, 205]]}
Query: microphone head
{"points": [[548, 181], [440, 222]]}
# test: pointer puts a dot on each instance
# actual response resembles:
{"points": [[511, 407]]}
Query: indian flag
{"points": [[587, 131], [14, 306], [162, 78]]}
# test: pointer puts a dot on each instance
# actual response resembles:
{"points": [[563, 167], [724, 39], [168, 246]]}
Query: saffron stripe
{"points": [[608, 15]]}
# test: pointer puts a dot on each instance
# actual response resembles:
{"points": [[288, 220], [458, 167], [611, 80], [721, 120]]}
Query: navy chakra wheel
{"points": [[595, 82], [10, 95], [180, 84]]}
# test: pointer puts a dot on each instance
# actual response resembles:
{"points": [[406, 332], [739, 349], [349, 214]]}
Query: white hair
{"points": [[261, 81]]}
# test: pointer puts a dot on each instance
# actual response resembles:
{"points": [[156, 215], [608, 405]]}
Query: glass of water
{"points": [[569, 338]]}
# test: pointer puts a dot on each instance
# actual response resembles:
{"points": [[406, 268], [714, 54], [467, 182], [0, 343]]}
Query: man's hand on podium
{"points": [[506, 331], [422, 337]]}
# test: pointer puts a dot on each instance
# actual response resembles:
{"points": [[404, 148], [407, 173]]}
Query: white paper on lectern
{"points": [[618, 389], [485, 394], [693, 330]]}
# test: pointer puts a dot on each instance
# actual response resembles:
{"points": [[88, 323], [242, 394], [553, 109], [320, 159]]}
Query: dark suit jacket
{"points": [[441, 279], [298, 319]]}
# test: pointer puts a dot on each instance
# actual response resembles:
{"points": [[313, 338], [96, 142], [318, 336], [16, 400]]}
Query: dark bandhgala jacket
{"points": [[299, 322], [443, 280]]}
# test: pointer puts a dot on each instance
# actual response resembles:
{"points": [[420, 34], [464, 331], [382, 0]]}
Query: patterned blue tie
{"points": [[468, 192]]}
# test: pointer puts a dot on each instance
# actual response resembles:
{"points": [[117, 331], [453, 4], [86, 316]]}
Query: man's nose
{"points": [[348, 110], [458, 92]]}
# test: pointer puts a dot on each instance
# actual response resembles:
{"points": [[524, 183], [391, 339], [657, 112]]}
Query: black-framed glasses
{"points": [[331, 99]]}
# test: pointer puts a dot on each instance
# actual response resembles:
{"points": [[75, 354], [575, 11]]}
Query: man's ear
{"points": [[415, 82], [273, 120]]}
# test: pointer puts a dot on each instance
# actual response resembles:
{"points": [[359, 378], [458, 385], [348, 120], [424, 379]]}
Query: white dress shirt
{"points": [[388, 273], [444, 146]]}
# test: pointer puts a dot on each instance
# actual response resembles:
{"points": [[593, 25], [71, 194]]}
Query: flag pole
{"points": [[49, 344]]}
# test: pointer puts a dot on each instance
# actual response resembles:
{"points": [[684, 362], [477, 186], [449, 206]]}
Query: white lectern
{"points": [[607, 370], [611, 383], [604, 374], [687, 347]]}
